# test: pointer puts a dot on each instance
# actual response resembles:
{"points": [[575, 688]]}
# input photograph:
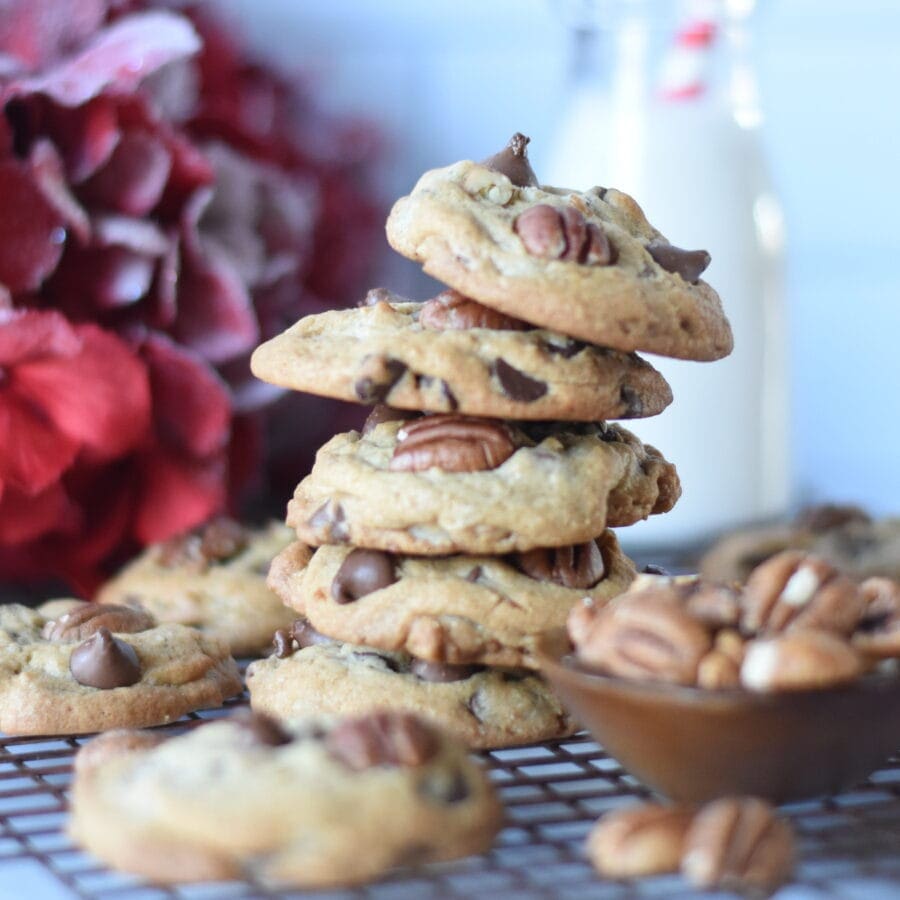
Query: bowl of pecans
{"points": [[784, 688]]}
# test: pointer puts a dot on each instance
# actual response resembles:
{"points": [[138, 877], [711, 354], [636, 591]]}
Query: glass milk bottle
{"points": [[663, 106]]}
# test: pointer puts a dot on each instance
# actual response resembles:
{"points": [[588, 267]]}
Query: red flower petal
{"points": [[27, 335], [36, 31], [47, 169], [118, 58], [191, 405], [97, 279], [139, 235], [25, 517], [215, 312], [100, 398], [85, 135], [33, 454], [177, 494], [31, 230], [133, 180]]}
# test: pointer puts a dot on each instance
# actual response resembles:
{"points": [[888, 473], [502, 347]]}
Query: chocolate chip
{"points": [[105, 662], [475, 574], [445, 787], [689, 264], [265, 729], [374, 388], [475, 706], [305, 635], [441, 673], [361, 573], [330, 517], [607, 433], [283, 643], [567, 350], [383, 413], [651, 569], [634, 405], [513, 162], [517, 385]]}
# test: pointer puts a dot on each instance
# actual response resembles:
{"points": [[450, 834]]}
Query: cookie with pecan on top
{"points": [[451, 354], [584, 263]]}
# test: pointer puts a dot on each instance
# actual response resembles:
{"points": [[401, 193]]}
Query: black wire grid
{"points": [[849, 845]]}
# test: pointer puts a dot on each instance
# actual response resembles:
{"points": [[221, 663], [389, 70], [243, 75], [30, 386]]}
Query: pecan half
{"points": [[551, 233], [85, 620], [720, 669], [578, 566], [738, 843], [217, 541], [641, 636], [451, 310], [799, 660], [793, 590], [639, 840], [452, 443], [382, 739]]}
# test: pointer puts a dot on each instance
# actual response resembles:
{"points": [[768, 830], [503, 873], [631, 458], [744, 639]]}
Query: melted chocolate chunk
{"points": [[283, 643], [105, 662], [652, 569], [513, 162], [634, 406], [375, 389], [567, 350], [517, 385], [305, 635], [383, 413], [361, 573], [689, 264], [441, 673]]}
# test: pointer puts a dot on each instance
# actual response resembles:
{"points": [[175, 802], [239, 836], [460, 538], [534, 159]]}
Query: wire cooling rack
{"points": [[849, 845]]}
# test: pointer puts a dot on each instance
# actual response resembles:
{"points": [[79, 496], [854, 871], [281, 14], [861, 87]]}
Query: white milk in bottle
{"points": [[670, 115]]}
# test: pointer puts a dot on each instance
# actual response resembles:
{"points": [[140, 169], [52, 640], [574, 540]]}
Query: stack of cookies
{"points": [[472, 510]]}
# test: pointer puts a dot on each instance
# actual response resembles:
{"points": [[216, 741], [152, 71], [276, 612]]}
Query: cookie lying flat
{"points": [[213, 578], [478, 486], [453, 609], [70, 667], [845, 536], [315, 805], [485, 708], [587, 264], [454, 355]]}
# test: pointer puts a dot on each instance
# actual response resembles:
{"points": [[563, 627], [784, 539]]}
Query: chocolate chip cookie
{"points": [[70, 667], [312, 805], [453, 609], [583, 263], [485, 708], [455, 484], [213, 578], [452, 354]]}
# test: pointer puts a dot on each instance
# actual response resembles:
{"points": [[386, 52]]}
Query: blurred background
{"points": [[451, 80]]}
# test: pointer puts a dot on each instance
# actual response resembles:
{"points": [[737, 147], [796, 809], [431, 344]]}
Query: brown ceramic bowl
{"points": [[694, 745]]}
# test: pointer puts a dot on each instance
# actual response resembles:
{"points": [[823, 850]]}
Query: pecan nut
{"points": [[738, 843], [452, 443], [879, 632], [578, 566], [451, 310], [217, 541], [794, 590], [799, 660], [551, 233], [640, 636], [85, 620], [382, 739], [639, 840]]}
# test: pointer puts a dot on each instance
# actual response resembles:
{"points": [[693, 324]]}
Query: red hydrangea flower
{"points": [[167, 204]]}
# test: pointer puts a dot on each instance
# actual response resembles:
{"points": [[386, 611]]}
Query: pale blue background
{"points": [[450, 80]]}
